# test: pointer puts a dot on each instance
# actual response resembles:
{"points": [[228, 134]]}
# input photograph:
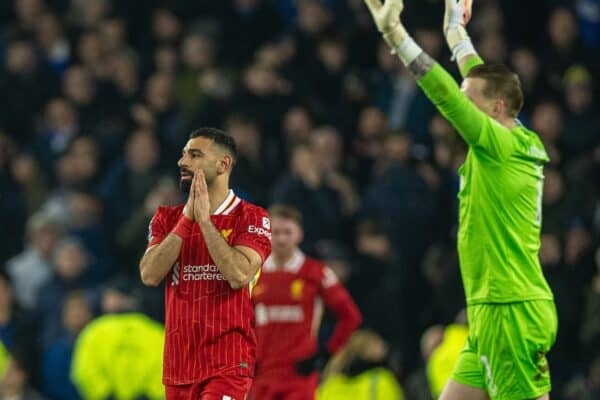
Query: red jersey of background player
{"points": [[209, 326], [289, 301]]}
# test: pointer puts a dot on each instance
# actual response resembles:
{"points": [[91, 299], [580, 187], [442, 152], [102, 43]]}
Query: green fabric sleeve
{"points": [[471, 62], [477, 128]]}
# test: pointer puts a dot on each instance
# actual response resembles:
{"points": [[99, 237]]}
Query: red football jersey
{"points": [[288, 302], [209, 326]]}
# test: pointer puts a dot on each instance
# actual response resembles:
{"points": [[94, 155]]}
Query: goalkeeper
{"points": [[512, 318]]}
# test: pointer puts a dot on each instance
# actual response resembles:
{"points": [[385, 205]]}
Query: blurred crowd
{"points": [[97, 98]]}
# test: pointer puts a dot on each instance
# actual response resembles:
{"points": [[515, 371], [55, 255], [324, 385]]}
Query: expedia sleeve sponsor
{"points": [[258, 230]]}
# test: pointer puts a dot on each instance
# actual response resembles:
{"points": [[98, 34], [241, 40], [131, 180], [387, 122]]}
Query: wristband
{"points": [[407, 51], [184, 227], [463, 49], [459, 42]]}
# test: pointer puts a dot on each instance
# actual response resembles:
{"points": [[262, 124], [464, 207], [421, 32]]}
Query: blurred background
{"points": [[97, 98]]}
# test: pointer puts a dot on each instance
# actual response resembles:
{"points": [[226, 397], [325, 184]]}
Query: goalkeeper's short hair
{"points": [[500, 82]]}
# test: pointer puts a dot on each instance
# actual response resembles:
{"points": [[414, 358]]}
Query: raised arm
{"points": [[163, 250], [240, 262], [470, 122], [456, 17], [164, 245]]}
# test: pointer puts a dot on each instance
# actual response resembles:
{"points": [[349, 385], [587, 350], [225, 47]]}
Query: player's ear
{"points": [[499, 107], [224, 164]]}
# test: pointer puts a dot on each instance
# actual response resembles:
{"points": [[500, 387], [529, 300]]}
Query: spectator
{"points": [[13, 210], [527, 66], [547, 122], [131, 178], [56, 359], [359, 372], [251, 174], [30, 177], [368, 144], [18, 328], [305, 188], [328, 147], [55, 47], [582, 124], [25, 87], [447, 353], [133, 233], [71, 265], [31, 269], [119, 356], [297, 123], [563, 282], [16, 384], [565, 47], [417, 384], [198, 54], [376, 283]]}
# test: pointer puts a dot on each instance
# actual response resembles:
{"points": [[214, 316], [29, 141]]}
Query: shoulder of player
{"points": [[313, 267], [169, 212], [529, 143], [246, 209]]}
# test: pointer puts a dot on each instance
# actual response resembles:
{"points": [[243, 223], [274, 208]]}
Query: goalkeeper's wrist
{"points": [[402, 44], [183, 228], [459, 42]]}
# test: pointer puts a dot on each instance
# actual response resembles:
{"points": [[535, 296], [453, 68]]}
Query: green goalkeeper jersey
{"points": [[500, 195]]}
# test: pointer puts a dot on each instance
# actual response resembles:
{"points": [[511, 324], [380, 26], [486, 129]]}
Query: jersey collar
{"points": [[292, 265], [227, 206]]}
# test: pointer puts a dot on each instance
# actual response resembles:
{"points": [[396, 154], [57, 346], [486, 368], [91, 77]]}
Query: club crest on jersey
{"points": [[226, 233], [296, 289], [266, 223]]}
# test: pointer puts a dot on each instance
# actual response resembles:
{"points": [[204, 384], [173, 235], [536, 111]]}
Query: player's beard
{"points": [[186, 184], [185, 181]]}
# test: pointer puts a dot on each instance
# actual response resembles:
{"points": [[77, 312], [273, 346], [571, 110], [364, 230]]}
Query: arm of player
{"points": [[470, 122], [338, 300], [457, 15], [159, 259], [348, 318], [163, 249], [164, 246], [238, 264]]}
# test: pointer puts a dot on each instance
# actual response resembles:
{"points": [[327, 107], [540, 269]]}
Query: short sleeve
{"points": [[157, 229], [253, 230]]}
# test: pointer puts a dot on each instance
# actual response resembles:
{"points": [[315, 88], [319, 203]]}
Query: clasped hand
{"points": [[197, 207]]}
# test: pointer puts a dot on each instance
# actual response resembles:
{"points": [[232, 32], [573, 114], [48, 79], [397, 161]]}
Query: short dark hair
{"points": [[219, 137], [286, 211], [501, 82]]}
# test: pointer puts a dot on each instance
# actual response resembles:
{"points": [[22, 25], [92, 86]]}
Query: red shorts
{"points": [[295, 387], [227, 387]]}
